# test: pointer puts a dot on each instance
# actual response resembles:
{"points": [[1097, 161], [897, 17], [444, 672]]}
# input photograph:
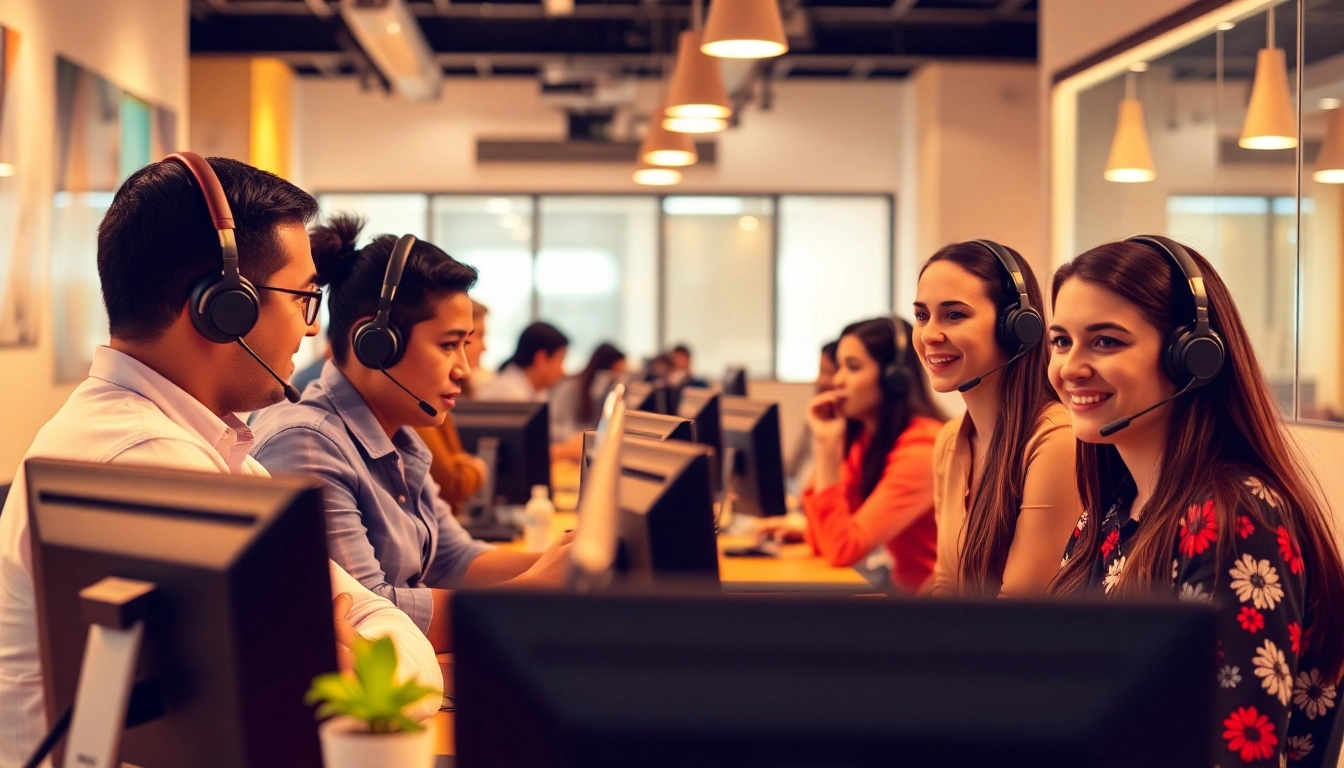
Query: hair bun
{"points": [[333, 245]]}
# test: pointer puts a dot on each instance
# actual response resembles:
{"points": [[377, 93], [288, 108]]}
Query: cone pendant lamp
{"points": [[744, 29], [1330, 163], [697, 100], [1270, 123], [1131, 159], [664, 147], [654, 176]]}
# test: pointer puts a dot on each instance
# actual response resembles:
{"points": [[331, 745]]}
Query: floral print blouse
{"points": [[1273, 705]]}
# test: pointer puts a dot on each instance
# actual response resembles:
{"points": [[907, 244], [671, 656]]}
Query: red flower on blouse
{"points": [[1295, 635], [1245, 526], [1250, 733], [1199, 529], [1290, 552], [1112, 541], [1251, 620]]}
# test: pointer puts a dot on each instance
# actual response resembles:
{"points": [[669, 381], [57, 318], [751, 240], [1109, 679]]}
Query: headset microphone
{"points": [[291, 394], [969, 384], [1119, 424], [426, 407]]}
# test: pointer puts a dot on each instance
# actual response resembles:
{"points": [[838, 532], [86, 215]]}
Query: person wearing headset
{"points": [[1194, 490], [873, 436], [1005, 499], [193, 343], [400, 323]]}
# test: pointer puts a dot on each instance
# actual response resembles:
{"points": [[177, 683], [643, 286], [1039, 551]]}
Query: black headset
{"points": [[1020, 324], [378, 343], [1194, 352], [896, 378], [224, 305]]}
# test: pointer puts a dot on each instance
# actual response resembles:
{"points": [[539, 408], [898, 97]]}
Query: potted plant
{"points": [[368, 726]]}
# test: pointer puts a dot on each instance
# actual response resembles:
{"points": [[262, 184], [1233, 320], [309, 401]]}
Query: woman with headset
{"points": [[1005, 496], [1194, 491], [872, 442], [400, 323]]}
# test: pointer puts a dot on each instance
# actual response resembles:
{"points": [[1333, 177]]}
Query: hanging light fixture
{"points": [[1269, 117], [697, 100], [744, 29], [655, 176], [1330, 162], [664, 147], [1131, 159]]}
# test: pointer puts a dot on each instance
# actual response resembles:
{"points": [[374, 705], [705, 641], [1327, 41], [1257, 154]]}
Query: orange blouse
{"points": [[844, 527]]}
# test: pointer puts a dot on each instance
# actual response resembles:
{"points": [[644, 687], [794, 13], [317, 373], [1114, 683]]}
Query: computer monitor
{"points": [[613, 679], [701, 405], [735, 381], [666, 523], [521, 434], [652, 426], [646, 396], [751, 445], [239, 623]]}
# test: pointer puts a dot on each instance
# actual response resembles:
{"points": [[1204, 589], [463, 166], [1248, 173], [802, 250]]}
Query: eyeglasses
{"points": [[312, 301]]}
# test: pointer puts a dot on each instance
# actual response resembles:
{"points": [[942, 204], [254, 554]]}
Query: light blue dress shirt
{"points": [[386, 525]]}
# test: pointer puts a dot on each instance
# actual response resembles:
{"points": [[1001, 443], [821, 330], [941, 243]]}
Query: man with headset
{"points": [[192, 344]]}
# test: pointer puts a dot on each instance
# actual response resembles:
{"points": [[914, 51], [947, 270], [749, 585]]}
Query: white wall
{"points": [[142, 46]]}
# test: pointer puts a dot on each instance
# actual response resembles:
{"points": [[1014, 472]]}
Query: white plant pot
{"points": [[345, 744]]}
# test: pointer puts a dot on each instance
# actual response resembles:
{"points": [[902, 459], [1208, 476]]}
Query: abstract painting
{"points": [[18, 256], [103, 135]]}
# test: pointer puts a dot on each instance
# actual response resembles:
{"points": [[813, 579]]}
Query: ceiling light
{"points": [[744, 29], [389, 34], [666, 147], [1270, 123], [558, 7], [1139, 66], [1226, 26], [749, 223], [697, 90], [1328, 104], [695, 124], [655, 176], [1330, 162], [1131, 159]]}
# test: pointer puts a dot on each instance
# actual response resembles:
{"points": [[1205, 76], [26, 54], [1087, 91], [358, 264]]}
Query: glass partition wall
{"points": [[1224, 134], [761, 280]]}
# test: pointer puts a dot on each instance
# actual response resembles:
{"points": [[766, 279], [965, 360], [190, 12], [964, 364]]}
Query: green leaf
{"points": [[371, 694]]}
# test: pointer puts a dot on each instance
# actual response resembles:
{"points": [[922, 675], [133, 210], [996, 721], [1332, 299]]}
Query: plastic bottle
{"points": [[537, 517]]}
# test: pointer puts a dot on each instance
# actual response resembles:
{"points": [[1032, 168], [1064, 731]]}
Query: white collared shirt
{"points": [[127, 413], [511, 385]]}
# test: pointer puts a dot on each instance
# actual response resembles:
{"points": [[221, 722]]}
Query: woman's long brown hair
{"points": [[1218, 433], [1023, 395]]}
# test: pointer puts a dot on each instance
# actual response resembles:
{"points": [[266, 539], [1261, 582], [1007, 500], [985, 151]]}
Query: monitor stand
{"points": [[116, 610], [482, 520]]}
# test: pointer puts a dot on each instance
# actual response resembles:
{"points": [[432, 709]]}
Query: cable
{"points": [[48, 743]]}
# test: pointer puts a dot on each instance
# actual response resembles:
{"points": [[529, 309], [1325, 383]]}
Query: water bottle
{"points": [[537, 517]]}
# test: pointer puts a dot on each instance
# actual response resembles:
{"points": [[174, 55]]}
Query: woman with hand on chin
{"points": [[872, 441], [386, 524], [1005, 499], [1194, 491]]}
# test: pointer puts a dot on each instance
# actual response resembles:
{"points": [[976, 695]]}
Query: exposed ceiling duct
{"points": [[390, 35]]}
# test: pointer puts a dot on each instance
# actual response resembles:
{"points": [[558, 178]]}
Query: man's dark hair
{"points": [[157, 240], [682, 348]]}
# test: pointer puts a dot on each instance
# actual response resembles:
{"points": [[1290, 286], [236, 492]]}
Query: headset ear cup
{"points": [[895, 381], [222, 313], [1193, 357], [376, 347]]}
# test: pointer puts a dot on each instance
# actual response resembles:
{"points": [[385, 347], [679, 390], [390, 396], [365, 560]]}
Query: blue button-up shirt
{"points": [[386, 524]]}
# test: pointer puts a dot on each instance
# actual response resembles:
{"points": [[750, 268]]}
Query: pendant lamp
{"points": [[697, 100], [1131, 159], [654, 176], [1270, 123], [1330, 163], [664, 147], [744, 29]]}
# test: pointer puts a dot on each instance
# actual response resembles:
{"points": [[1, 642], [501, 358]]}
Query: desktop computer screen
{"points": [[521, 434], [735, 381], [701, 405], [646, 396], [751, 444], [238, 624], [613, 679], [656, 426]]}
